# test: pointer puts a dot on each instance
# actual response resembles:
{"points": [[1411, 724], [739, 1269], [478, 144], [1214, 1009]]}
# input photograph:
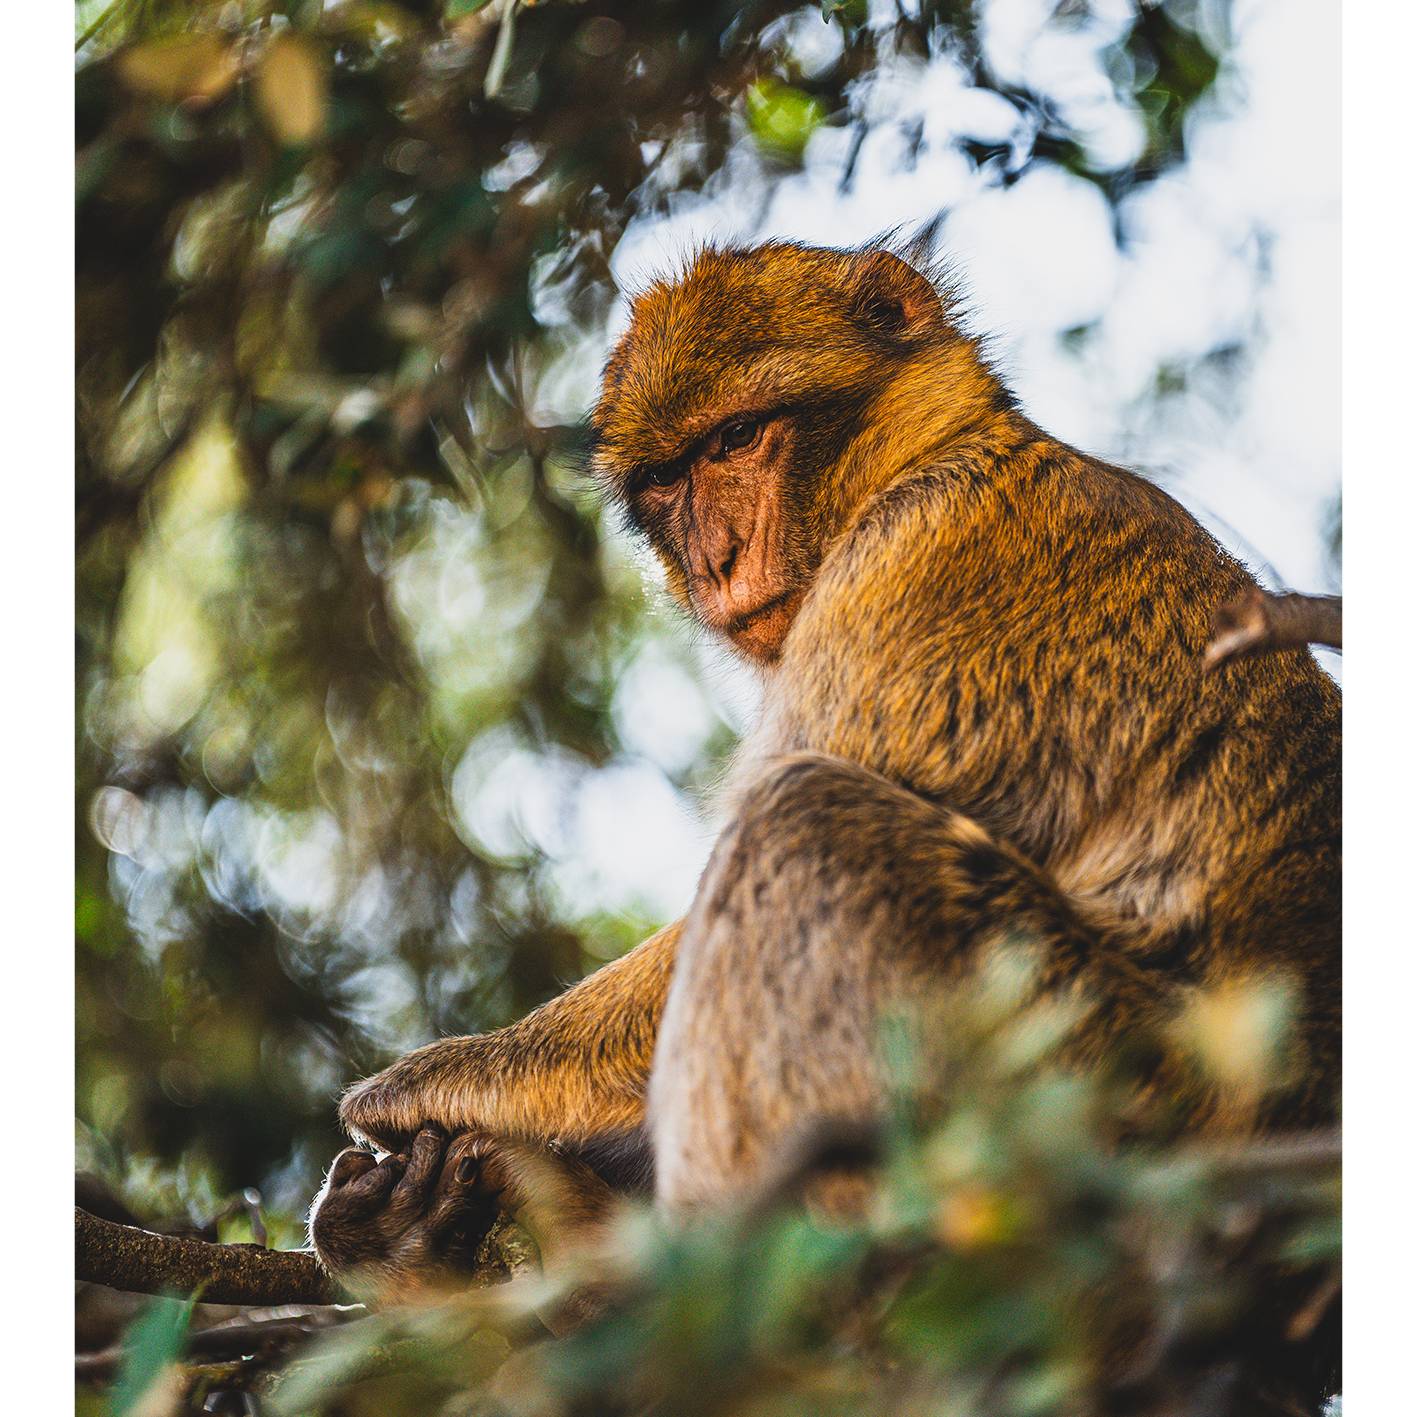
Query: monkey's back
{"points": [[1018, 634]]}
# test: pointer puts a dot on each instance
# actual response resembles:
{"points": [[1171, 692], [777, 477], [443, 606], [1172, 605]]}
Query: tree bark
{"points": [[143, 1262], [124, 1257]]}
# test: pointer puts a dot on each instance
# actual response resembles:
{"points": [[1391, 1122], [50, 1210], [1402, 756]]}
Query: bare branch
{"points": [[125, 1257], [1315, 1153], [1260, 623], [237, 1339]]}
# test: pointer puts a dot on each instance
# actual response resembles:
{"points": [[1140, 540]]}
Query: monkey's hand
{"points": [[411, 1225]]}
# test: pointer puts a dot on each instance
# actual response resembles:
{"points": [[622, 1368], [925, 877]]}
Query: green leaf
{"points": [[153, 1344], [782, 119], [457, 9]]}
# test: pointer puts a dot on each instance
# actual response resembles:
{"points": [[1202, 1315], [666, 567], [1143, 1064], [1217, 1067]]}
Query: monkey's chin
{"points": [[759, 634]]}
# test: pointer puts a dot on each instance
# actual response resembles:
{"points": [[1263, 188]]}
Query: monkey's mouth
{"points": [[749, 617], [760, 632]]}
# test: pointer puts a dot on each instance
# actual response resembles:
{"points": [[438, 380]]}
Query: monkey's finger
{"points": [[469, 1180], [376, 1183], [349, 1165], [385, 1140], [553, 1198], [425, 1159]]}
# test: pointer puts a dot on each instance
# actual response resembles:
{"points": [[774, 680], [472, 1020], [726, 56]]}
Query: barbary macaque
{"points": [[984, 713]]}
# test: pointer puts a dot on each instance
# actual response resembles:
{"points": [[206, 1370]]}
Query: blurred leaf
{"points": [[149, 1383], [1240, 1032], [292, 89], [782, 118], [199, 67]]}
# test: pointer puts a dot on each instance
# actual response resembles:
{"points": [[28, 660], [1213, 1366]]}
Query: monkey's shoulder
{"points": [[1024, 542], [1034, 619]]}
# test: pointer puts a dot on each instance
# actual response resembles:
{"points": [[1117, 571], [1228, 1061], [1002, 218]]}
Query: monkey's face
{"points": [[726, 518], [728, 412]]}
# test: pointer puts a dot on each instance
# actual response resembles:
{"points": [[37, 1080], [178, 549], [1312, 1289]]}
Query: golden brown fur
{"points": [[984, 713]]}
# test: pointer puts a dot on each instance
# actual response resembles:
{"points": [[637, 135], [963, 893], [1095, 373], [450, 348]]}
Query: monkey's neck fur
{"points": [[933, 407]]}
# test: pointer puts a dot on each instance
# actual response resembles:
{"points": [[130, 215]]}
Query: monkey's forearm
{"points": [[573, 1069]]}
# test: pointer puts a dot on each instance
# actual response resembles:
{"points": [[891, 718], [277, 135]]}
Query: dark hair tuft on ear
{"points": [[881, 311]]}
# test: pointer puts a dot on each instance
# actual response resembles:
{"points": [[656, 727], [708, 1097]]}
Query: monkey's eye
{"points": [[741, 433], [666, 475]]}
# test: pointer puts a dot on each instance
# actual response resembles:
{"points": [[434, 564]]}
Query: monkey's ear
{"points": [[893, 299]]}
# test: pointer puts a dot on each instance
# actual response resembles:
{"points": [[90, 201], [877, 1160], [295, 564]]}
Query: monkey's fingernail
{"points": [[467, 1169]]}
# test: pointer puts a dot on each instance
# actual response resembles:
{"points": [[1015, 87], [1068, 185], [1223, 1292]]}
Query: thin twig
{"points": [[237, 1338], [1303, 1324], [1260, 623], [501, 50], [1318, 1151], [100, 24]]}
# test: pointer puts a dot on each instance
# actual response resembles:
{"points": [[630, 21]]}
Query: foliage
{"points": [[152, 1347], [1016, 1262]]}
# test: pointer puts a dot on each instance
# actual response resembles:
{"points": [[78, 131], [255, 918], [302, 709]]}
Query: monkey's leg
{"points": [[832, 897], [573, 1070]]}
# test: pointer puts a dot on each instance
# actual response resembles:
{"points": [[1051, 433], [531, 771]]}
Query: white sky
{"points": [[1259, 456]]}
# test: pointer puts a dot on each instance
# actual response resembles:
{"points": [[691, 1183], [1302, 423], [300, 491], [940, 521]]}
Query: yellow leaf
{"points": [[198, 67], [292, 89], [973, 1217], [1241, 1033]]}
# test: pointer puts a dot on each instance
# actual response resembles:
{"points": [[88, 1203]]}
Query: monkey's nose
{"points": [[718, 555]]}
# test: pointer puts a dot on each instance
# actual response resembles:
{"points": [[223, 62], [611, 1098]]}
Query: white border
{"points": [[1380, 521], [36, 591], [1380, 525]]}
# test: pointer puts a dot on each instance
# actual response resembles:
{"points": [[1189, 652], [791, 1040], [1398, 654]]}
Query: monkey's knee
{"points": [[825, 846], [834, 897], [820, 824], [785, 808]]}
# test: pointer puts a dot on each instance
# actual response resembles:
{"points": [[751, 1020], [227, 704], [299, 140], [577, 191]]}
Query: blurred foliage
{"points": [[353, 633], [356, 644], [1016, 1261], [152, 1347]]}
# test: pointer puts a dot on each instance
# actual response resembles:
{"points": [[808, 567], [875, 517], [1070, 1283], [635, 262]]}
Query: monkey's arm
{"points": [[574, 1069]]}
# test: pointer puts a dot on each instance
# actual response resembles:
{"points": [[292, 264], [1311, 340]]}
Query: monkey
{"points": [[984, 711]]}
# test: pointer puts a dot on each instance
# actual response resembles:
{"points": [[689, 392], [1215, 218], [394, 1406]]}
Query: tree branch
{"points": [[124, 1257], [1260, 623], [1316, 1153], [242, 1338]]}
